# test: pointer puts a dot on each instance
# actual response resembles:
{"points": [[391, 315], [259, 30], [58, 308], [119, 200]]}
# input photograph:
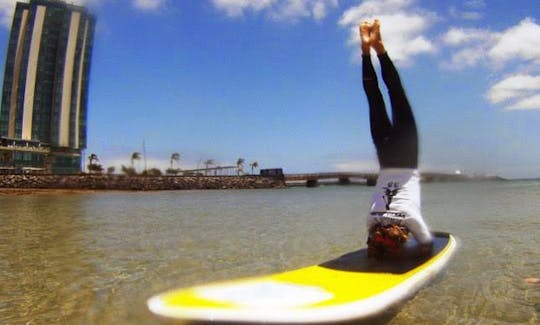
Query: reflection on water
{"points": [[96, 258], [43, 259]]}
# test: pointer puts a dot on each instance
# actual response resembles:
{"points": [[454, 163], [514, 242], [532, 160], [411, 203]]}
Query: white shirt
{"points": [[396, 200]]}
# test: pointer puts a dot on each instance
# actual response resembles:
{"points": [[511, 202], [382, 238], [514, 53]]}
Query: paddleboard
{"points": [[350, 287]]}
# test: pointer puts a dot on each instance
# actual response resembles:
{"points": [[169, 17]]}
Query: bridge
{"points": [[342, 178]]}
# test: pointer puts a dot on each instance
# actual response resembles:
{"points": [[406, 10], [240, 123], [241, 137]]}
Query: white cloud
{"points": [[149, 5], [518, 42], [368, 165], [7, 7], [466, 58], [471, 15], [514, 51], [471, 10], [513, 86], [6, 12], [465, 14], [459, 36], [521, 91], [289, 10], [295, 9], [319, 10], [472, 46], [475, 4], [402, 26], [236, 8], [528, 103]]}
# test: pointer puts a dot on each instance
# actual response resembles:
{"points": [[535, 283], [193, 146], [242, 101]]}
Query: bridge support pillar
{"points": [[344, 181], [312, 182], [371, 181]]}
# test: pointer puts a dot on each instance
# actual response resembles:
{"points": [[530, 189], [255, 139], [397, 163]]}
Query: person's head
{"points": [[386, 240]]}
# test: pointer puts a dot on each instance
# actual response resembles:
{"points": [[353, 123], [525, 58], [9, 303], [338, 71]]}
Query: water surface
{"points": [[95, 258]]}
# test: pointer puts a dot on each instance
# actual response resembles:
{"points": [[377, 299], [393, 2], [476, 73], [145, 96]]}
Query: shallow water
{"points": [[96, 258]]}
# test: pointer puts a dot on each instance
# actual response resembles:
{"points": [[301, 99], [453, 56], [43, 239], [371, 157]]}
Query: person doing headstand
{"points": [[395, 207]]}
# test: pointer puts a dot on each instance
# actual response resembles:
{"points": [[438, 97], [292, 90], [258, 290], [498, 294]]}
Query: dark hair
{"points": [[386, 240]]}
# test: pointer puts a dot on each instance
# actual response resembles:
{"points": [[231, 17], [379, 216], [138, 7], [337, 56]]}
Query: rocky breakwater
{"points": [[137, 183]]}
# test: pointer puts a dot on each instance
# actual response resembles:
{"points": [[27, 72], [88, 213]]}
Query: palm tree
{"points": [[92, 166], [240, 165], [152, 172], [135, 156], [254, 165], [128, 171], [93, 157], [175, 157], [95, 168]]}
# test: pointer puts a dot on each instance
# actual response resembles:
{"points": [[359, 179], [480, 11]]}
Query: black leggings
{"points": [[397, 141]]}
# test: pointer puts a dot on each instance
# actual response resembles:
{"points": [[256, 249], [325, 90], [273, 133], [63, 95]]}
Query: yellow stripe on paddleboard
{"points": [[315, 293]]}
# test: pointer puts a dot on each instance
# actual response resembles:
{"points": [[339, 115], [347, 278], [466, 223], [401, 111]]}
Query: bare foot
{"points": [[365, 30], [375, 38]]}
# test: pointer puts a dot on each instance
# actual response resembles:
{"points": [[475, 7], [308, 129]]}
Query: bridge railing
{"points": [[312, 179]]}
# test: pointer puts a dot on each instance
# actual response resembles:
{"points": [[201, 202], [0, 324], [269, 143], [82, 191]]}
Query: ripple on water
{"points": [[96, 258]]}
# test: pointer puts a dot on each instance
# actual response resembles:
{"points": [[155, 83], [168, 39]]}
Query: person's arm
{"points": [[422, 235]]}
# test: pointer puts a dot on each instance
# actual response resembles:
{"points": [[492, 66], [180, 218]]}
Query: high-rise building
{"points": [[45, 94]]}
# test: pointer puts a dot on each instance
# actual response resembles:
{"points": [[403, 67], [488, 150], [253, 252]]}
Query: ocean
{"points": [[94, 258]]}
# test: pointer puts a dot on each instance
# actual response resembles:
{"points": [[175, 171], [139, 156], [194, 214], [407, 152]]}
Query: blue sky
{"points": [[279, 82]]}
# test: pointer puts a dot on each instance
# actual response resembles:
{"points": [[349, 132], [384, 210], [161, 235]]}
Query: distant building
{"points": [[45, 93]]}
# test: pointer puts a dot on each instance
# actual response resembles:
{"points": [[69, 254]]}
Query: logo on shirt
{"points": [[391, 189]]}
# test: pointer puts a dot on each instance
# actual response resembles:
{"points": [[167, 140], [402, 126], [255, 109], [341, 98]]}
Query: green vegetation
{"points": [[93, 166], [152, 172], [211, 168], [253, 166], [240, 165], [175, 158], [135, 156], [128, 171]]}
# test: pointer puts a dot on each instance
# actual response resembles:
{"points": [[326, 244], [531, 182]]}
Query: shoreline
{"points": [[90, 183], [17, 185], [45, 191]]}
